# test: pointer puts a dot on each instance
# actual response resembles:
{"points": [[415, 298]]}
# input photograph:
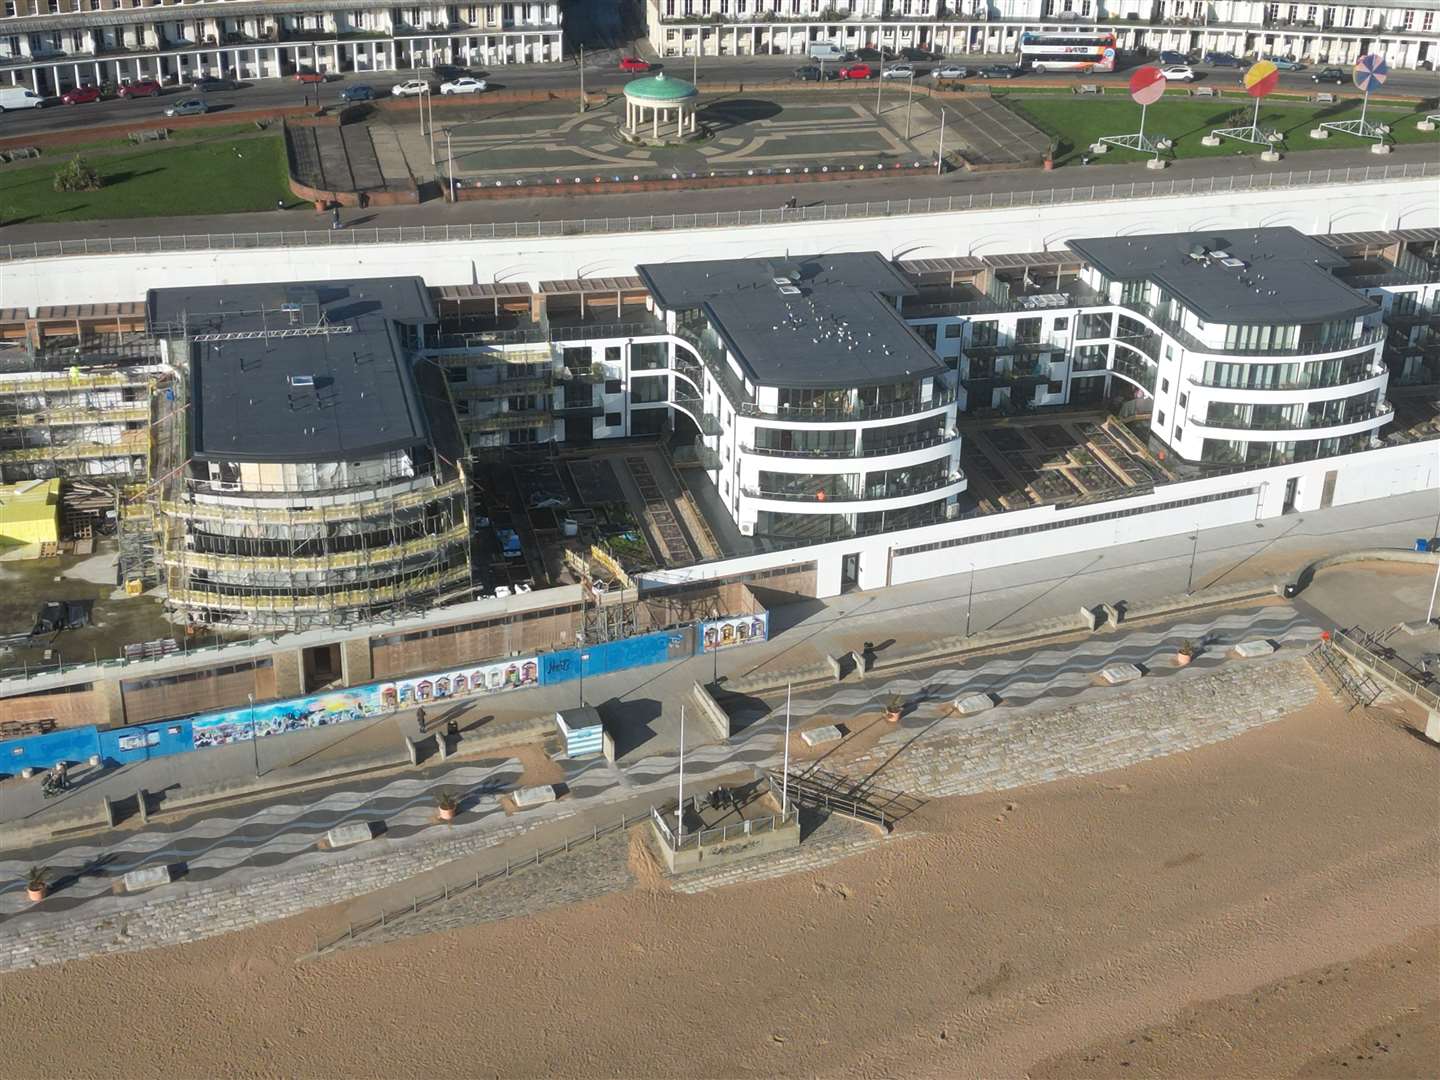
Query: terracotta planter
{"points": [[892, 716], [447, 815], [1049, 164], [1181, 659], [36, 895]]}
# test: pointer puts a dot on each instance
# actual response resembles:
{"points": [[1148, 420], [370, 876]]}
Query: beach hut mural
{"points": [[442, 686], [733, 631]]}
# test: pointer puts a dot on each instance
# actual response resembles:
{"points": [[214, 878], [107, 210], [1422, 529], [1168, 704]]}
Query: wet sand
{"points": [[1174, 919]]}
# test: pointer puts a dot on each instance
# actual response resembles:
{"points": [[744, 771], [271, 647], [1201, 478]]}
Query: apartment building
{"points": [[1405, 31], [53, 45], [314, 488]]}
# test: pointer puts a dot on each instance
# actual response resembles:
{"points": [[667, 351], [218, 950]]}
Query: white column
{"points": [[655, 114]]}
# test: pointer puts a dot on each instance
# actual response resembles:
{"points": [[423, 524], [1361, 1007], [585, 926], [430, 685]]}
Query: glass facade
{"points": [[1294, 416], [837, 442], [1315, 374], [1259, 454]]}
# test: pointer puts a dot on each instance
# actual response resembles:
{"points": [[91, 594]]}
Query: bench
{"points": [[20, 153], [1204, 91], [149, 135], [1325, 98], [1087, 88]]}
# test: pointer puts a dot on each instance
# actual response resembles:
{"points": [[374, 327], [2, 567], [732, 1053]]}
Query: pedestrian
{"points": [[452, 730], [335, 218], [420, 718], [793, 203], [279, 204]]}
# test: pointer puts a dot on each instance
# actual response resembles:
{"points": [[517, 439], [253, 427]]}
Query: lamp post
{"points": [[450, 167], [254, 735], [879, 85], [1194, 548], [582, 78], [970, 600], [909, 98], [431, 97], [940, 157], [584, 656], [714, 653]]}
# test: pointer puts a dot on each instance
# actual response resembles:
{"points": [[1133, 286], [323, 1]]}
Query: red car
{"points": [[857, 71], [633, 63], [80, 95], [140, 88], [309, 77]]}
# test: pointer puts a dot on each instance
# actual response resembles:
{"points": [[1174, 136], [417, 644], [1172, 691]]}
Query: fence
{"points": [[720, 833], [1365, 657], [519, 230], [420, 903]]}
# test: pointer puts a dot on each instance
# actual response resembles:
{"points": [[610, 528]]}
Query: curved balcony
{"points": [[1320, 347], [941, 439], [847, 500], [1373, 377], [859, 414], [1271, 432]]}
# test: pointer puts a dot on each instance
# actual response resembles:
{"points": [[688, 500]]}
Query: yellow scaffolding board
{"points": [[64, 380], [506, 421], [200, 511], [75, 451], [128, 412], [239, 564], [327, 602]]}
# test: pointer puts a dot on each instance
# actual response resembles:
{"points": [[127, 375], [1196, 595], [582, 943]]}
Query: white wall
{"points": [[1373, 474], [1319, 209]]}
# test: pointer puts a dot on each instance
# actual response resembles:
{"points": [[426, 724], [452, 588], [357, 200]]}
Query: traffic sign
{"points": [[1147, 85], [1261, 79], [1371, 72]]}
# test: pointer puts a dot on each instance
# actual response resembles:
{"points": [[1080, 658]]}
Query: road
{"points": [[600, 72]]}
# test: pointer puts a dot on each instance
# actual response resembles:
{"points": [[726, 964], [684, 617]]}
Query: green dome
{"points": [[660, 88]]}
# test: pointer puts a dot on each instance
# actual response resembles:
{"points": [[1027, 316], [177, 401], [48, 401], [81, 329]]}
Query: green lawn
{"points": [[1079, 123], [220, 177]]}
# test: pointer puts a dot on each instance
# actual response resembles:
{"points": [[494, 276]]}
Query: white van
{"points": [[17, 97], [826, 50]]}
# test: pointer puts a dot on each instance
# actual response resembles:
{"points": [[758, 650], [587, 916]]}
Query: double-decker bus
{"points": [[1068, 50]]}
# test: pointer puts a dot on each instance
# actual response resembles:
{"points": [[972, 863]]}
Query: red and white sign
{"points": [[1147, 85]]}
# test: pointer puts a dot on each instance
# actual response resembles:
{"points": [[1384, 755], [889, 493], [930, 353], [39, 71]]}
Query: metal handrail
{"points": [[907, 407], [519, 230], [1377, 665]]}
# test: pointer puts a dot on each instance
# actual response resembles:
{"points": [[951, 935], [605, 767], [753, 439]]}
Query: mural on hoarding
{"points": [[732, 631], [280, 717], [459, 682]]}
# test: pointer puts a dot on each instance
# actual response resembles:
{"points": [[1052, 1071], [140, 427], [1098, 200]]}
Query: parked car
{"points": [[1286, 65], [466, 85], [360, 92], [17, 97], [898, 71], [812, 73], [874, 55], [918, 54], [310, 76], [633, 63], [410, 88], [1170, 56], [1338, 76], [950, 71], [190, 106], [999, 71], [1222, 59], [80, 95], [448, 72], [856, 71], [1178, 73], [140, 88], [212, 82]]}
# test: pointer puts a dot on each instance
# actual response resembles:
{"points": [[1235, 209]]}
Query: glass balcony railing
{"points": [[853, 413], [1346, 378], [1304, 423], [883, 450], [843, 492]]}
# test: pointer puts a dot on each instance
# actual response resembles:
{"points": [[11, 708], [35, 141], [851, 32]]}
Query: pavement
{"points": [[641, 705], [816, 199]]}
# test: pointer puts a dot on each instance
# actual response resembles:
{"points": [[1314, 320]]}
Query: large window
{"points": [[648, 355], [838, 442], [808, 486], [1315, 374]]}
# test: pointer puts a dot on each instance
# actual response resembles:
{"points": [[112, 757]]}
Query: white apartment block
{"points": [[54, 45], [1407, 32], [822, 395]]}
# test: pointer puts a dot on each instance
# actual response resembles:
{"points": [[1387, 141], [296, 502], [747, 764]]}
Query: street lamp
{"points": [[714, 654], [909, 97], [1194, 547], [584, 656], [940, 157], [450, 167], [970, 600], [254, 735]]}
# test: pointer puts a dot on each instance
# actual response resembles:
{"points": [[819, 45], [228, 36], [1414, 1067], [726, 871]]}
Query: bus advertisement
{"points": [[1068, 50]]}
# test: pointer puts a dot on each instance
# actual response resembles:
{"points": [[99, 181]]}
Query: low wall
{"points": [[710, 711]]}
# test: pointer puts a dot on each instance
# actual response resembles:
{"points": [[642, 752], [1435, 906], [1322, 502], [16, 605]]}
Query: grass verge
{"points": [[225, 176]]}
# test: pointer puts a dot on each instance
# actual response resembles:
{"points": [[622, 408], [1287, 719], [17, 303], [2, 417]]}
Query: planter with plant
{"points": [[894, 706], [1185, 652], [1051, 153], [449, 805], [37, 883]]}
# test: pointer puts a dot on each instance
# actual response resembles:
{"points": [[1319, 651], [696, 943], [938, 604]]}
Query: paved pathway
{"points": [[227, 844]]}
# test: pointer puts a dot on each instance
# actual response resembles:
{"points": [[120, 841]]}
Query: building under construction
{"points": [[305, 485]]}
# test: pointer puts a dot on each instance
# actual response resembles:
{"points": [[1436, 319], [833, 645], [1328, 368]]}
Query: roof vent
{"points": [[303, 381], [789, 290]]}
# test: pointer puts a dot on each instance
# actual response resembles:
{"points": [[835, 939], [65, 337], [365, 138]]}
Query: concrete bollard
{"points": [[413, 750], [109, 807], [861, 662], [1114, 614], [837, 667], [142, 800], [1091, 617], [442, 744]]}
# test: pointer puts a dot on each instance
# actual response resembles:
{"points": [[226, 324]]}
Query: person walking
{"points": [[335, 217], [420, 718], [279, 204]]}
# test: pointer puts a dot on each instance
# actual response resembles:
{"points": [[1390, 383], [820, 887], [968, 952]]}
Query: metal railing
{"points": [[1359, 653], [1304, 423], [728, 219], [862, 451], [905, 407], [718, 834], [1368, 371]]}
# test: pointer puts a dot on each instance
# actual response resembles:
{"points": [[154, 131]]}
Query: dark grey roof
{"points": [[363, 403], [1287, 277], [840, 329]]}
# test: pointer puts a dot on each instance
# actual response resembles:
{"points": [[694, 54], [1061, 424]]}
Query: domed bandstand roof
{"points": [[660, 88]]}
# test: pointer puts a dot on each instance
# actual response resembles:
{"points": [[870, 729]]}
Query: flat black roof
{"points": [[1286, 276], [831, 323], [267, 386]]}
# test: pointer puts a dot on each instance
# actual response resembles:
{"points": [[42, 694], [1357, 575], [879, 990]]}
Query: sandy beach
{"points": [[1262, 907]]}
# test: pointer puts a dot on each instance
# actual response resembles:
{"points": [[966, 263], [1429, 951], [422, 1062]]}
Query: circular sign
{"points": [[1371, 72], [1261, 79], [1147, 84], [1108, 56]]}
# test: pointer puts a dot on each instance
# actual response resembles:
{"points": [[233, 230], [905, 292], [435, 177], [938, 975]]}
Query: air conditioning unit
{"points": [[747, 528]]}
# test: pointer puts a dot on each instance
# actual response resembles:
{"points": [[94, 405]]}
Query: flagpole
{"points": [[680, 801], [785, 775]]}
